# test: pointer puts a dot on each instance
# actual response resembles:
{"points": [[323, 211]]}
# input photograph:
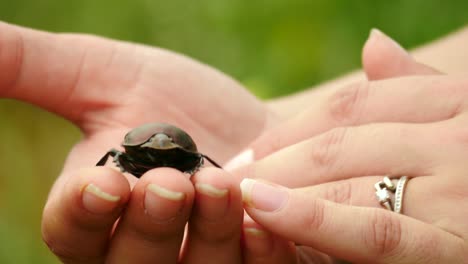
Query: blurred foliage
{"points": [[274, 47]]}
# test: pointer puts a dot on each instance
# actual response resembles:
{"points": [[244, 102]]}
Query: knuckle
{"points": [[344, 106], [325, 153], [314, 218], [339, 192], [384, 236]]}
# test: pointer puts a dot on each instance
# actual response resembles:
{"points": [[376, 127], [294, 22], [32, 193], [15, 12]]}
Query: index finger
{"points": [[394, 100]]}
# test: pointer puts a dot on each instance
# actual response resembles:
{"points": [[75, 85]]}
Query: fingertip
{"points": [[218, 194], [95, 190], [85, 207], [216, 177], [383, 57], [154, 220], [162, 195], [264, 196], [216, 218], [101, 189], [168, 178]]}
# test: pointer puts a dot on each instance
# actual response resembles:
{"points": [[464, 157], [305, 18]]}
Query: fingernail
{"points": [[255, 232], [96, 200], [377, 35], [244, 158], [263, 196], [257, 240], [210, 190], [213, 203], [162, 203]]}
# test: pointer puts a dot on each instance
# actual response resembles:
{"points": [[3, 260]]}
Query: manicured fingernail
{"points": [[210, 190], [263, 196], [377, 35], [162, 203], [96, 200], [244, 158]]}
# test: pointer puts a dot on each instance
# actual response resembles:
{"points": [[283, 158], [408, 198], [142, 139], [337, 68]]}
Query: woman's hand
{"points": [[343, 220], [411, 126], [106, 88], [340, 105]]}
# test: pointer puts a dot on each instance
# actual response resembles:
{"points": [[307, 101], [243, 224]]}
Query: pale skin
{"points": [[107, 95], [411, 126], [107, 88]]}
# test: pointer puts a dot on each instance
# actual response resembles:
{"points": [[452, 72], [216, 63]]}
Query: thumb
{"points": [[356, 234], [383, 57]]}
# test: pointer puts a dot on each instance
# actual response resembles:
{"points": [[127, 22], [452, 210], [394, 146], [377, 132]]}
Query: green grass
{"points": [[274, 47]]}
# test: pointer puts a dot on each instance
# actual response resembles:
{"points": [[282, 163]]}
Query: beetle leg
{"points": [[103, 160], [211, 161]]}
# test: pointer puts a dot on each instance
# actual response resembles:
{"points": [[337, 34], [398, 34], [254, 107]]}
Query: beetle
{"points": [[155, 145]]}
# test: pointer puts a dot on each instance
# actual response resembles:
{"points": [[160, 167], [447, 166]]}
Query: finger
{"points": [[261, 246], [84, 209], [360, 191], [152, 227], [70, 69], [343, 153], [216, 220], [363, 103], [383, 58], [373, 235]]}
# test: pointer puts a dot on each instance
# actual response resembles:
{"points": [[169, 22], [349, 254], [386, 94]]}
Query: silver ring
{"points": [[383, 194], [400, 189], [390, 195]]}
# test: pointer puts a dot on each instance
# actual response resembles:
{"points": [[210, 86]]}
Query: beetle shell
{"points": [[157, 145], [144, 133]]}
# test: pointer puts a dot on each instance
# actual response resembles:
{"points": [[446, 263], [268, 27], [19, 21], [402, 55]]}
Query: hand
{"points": [[335, 105], [106, 88], [341, 162]]}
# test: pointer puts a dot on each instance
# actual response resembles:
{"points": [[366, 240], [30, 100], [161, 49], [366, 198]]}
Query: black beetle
{"points": [[156, 145]]}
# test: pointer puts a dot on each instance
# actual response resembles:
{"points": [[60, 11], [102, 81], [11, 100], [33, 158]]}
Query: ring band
{"points": [[386, 190], [400, 188]]}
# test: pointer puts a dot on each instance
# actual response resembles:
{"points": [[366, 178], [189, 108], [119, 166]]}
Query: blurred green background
{"points": [[274, 47]]}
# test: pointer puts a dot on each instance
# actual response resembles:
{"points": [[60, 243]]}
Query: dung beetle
{"points": [[156, 145]]}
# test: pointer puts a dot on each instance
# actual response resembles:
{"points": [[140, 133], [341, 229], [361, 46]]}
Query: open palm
{"points": [[106, 88]]}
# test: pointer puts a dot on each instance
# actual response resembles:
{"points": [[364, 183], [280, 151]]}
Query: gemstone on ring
{"points": [[384, 198]]}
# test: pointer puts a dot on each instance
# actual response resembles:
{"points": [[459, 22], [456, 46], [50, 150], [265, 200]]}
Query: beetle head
{"points": [[160, 141]]}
